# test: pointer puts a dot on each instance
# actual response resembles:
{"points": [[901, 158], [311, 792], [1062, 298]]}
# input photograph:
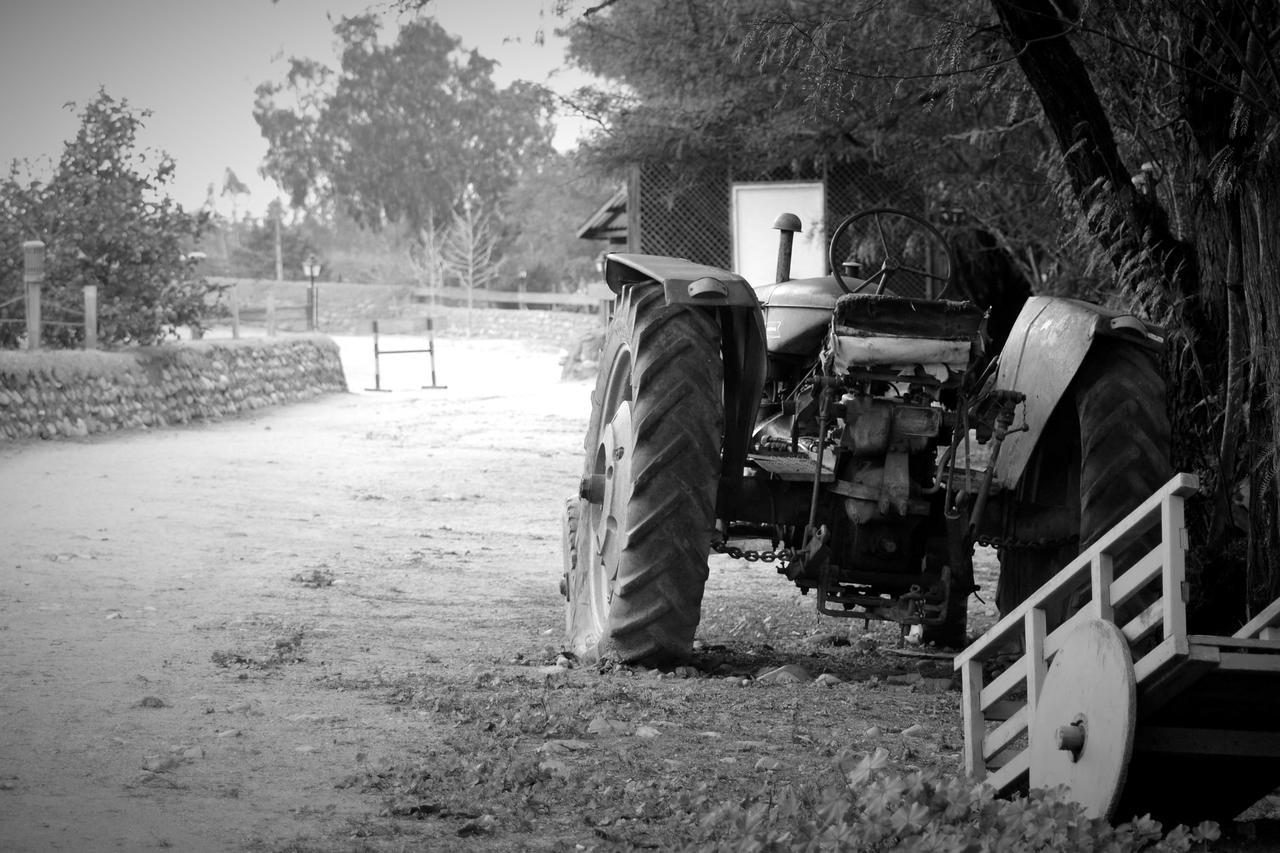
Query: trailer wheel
{"points": [[1105, 451], [646, 517]]}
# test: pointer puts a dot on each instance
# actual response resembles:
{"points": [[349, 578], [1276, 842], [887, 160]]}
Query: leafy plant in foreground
{"points": [[928, 812]]}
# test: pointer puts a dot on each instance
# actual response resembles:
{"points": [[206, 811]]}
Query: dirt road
{"points": [[159, 592]]}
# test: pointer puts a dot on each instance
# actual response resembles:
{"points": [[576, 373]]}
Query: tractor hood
{"points": [[819, 292]]}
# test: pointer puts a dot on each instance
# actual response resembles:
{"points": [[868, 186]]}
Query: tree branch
{"points": [[1131, 227]]}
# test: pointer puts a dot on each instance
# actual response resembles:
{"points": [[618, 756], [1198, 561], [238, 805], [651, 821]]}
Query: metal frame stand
{"points": [[378, 352]]}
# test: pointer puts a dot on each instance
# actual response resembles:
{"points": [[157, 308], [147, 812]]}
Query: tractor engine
{"points": [[846, 459]]}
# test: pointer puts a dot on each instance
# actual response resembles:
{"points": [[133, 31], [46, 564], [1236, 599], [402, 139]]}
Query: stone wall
{"points": [[58, 394]]}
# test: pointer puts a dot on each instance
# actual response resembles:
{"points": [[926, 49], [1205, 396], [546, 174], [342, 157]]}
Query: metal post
{"points": [[90, 316], [33, 275], [235, 312], [311, 306], [377, 362], [431, 349], [271, 315]]}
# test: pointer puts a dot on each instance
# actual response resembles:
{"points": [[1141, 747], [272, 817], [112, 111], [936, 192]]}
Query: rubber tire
{"points": [[569, 542], [1116, 414], [643, 605]]}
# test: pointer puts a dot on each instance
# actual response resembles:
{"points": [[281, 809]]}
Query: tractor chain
{"points": [[782, 555], [1013, 542]]}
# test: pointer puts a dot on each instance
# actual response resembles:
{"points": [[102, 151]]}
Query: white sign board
{"points": [[755, 207]]}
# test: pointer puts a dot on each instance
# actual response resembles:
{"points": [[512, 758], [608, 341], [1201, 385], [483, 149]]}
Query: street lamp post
{"points": [[311, 269]]}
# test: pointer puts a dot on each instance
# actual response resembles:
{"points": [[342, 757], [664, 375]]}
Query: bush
{"points": [[104, 220], [928, 812]]}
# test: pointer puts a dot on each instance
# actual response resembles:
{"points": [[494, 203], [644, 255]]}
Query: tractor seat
{"points": [[904, 316], [905, 335]]}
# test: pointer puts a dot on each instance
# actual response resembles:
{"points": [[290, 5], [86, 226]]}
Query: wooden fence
{"points": [[595, 295], [33, 277], [598, 299]]}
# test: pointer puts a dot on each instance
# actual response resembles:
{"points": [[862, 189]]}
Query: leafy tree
{"points": [[766, 85], [254, 255], [543, 211], [105, 220], [402, 129]]}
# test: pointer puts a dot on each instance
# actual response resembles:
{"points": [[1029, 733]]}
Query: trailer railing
{"points": [[998, 714]]}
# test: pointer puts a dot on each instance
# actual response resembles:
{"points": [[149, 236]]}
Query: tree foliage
{"points": [[401, 129], [544, 210], [757, 85], [104, 220]]}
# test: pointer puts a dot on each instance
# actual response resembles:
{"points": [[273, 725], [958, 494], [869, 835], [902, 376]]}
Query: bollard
{"points": [[91, 316], [33, 275], [235, 312]]}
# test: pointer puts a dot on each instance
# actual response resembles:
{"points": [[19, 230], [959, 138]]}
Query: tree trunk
{"points": [[1260, 233]]}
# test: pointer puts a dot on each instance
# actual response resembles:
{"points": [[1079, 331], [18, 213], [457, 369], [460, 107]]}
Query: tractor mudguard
{"points": [[1045, 349], [683, 281], [742, 337]]}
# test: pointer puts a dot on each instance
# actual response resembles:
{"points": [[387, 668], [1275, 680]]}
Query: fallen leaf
{"points": [[791, 673]]}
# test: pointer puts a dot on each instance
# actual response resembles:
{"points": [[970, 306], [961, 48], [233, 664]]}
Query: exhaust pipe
{"points": [[788, 224]]}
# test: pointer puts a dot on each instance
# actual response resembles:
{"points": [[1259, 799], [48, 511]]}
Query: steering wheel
{"points": [[891, 249]]}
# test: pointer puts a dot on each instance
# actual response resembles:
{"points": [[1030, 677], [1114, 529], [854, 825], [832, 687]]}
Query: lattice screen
{"points": [[687, 215]]}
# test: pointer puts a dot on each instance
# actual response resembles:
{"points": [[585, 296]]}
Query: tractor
{"points": [[859, 431]]}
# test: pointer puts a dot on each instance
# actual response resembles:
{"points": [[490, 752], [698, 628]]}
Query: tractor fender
{"points": [[1046, 346], [742, 336], [682, 281]]}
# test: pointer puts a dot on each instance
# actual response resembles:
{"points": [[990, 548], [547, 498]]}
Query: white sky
{"points": [[195, 65]]}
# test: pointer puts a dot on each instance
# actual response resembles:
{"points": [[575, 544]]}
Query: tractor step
{"points": [[788, 466]]}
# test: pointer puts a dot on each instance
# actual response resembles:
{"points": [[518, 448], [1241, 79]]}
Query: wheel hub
{"points": [[611, 483]]}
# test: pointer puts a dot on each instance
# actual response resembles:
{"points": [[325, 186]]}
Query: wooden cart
{"points": [[1131, 713]]}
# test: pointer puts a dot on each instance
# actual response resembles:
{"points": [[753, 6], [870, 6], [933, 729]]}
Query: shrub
{"points": [[928, 812], [104, 220]]}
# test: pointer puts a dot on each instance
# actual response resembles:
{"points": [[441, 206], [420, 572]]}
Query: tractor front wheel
{"points": [[636, 549]]}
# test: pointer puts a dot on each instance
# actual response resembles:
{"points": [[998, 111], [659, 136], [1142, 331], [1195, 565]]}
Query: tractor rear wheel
{"points": [[646, 513], [1112, 433]]}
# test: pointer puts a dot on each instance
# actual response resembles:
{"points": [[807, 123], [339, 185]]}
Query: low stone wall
{"points": [[59, 394]]}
